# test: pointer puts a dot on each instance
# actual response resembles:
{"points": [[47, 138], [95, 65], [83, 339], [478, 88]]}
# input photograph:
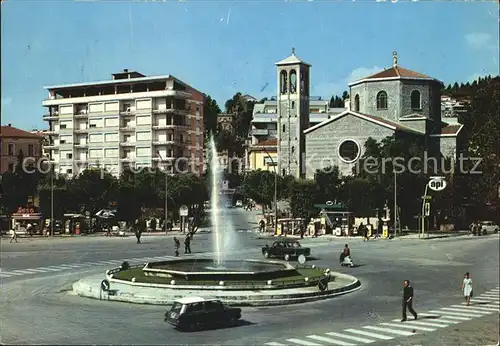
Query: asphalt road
{"points": [[38, 307]]}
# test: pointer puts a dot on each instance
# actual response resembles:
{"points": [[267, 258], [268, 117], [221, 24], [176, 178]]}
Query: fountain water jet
{"points": [[221, 234]]}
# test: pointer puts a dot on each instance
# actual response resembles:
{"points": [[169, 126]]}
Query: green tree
{"points": [[94, 189], [328, 183], [303, 196], [210, 112], [259, 186]]}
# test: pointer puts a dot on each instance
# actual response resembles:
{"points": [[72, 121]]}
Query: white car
{"points": [[489, 227]]}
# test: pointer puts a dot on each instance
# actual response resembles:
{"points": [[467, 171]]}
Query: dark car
{"points": [[194, 313], [286, 250]]}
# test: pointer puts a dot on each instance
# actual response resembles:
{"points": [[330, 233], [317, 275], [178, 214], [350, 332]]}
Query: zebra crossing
{"points": [[112, 263], [485, 304]]}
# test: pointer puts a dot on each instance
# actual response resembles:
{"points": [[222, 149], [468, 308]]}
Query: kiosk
{"points": [[24, 216]]}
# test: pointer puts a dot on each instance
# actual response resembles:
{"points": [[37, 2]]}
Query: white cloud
{"points": [[6, 101], [329, 88], [479, 40]]}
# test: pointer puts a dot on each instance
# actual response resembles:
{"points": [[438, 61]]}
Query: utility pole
{"points": [[166, 191], [395, 205], [51, 199]]}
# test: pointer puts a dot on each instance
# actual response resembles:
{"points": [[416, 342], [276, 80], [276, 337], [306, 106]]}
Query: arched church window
{"points": [[356, 103], [283, 81], [382, 100], [293, 81], [415, 100]]}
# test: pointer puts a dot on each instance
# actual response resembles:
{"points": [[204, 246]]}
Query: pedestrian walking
{"points": [[467, 288], [262, 226], [153, 224], [177, 245], [187, 244], [13, 235], [408, 300]]}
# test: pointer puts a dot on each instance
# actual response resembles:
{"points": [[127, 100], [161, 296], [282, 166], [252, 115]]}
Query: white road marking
{"points": [[5, 275], [35, 270], [462, 313], [439, 317], [430, 324], [330, 341], [303, 342], [408, 325], [490, 296], [472, 311], [365, 333], [389, 330], [274, 344], [447, 314], [20, 272], [473, 308], [350, 337]]}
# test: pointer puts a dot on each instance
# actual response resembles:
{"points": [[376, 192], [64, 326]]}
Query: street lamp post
{"points": [[51, 199], [395, 205], [166, 191], [275, 193]]}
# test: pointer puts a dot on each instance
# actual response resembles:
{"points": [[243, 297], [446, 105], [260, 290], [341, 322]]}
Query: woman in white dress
{"points": [[467, 288]]}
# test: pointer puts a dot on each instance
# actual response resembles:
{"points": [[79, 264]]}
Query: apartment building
{"points": [[262, 150], [452, 108], [129, 122], [13, 141]]}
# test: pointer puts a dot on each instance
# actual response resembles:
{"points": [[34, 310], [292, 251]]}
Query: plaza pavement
{"points": [[42, 300]]}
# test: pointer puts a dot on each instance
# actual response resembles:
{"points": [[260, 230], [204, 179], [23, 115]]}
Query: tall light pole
{"points": [[275, 192], [51, 199], [166, 190], [395, 205]]}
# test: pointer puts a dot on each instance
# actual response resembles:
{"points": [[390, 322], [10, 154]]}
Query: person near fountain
{"points": [[140, 227], [187, 244], [177, 245]]}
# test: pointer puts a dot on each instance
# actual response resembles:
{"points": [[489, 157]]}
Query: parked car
{"points": [[488, 227], [192, 313], [285, 249], [239, 203]]}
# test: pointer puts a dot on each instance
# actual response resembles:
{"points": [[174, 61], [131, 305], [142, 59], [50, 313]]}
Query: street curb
{"points": [[83, 289]]}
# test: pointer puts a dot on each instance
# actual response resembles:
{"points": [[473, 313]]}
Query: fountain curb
{"points": [[84, 289]]}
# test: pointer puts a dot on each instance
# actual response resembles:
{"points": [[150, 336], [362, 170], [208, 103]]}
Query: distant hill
{"points": [[463, 92]]}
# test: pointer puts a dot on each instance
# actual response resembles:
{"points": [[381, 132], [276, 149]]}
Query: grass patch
{"points": [[313, 274]]}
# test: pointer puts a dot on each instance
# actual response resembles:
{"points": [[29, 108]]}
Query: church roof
{"points": [[292, 60], [371, 118], [394, 72], [450, 131]]}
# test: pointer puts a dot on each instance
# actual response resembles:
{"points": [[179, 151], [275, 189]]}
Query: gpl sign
{"points": [[437, 183]]}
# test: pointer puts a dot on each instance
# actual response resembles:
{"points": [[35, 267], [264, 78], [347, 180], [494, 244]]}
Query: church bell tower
{"points": [[293, 115]]}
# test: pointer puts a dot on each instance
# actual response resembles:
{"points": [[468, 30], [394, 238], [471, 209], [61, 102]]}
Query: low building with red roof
{"points": [[13, 141]]}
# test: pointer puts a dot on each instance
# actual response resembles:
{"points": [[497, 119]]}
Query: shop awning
{"points": [[35, 216]]}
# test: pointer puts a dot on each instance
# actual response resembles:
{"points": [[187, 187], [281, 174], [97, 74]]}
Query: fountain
{"points": [[215, 197]]}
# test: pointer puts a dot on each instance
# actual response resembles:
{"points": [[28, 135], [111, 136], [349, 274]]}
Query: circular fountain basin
{"points": [[205, 269]]}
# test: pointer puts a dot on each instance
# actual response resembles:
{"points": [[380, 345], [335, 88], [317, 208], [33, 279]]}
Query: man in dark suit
{"points": [[408, 300]]}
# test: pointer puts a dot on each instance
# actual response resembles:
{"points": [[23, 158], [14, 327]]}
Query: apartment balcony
{"points": [[81, 114], [127, 144], [126, 112], [260, 132], [50, 132], [66, 130], [163, 142], [49, 117], [128, 159], [182, 111], [81, 145], [169, 126], [49, 146], [164, 158], [82, 160], [128, 128], [86, 130]]}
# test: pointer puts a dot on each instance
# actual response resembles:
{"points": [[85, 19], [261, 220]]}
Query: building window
{"points": [[293, 104], [69, 156], [11, 167], [284, 128], [11, 149], [382, 100], [293, 150], [293, 81], [284, 172], [349, 151], [415, 100], [283, 82], [356, 103], [30, 150]]}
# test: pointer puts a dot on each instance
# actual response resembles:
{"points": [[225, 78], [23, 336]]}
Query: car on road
{"points": [[239, 203], [192, 313], [488, 227], [285, 249]]}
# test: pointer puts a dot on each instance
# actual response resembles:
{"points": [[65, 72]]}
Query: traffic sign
{"points": [[183, 210], [323, 284], [105, 285]]}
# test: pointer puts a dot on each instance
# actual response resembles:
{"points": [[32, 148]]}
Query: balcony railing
{"points": [[85, 130], [168, 126], [49, 132], [128, 128], [49, 146], [164, 142], [50, 116], [180, 111], [260, 132], [127, 159], [127, 112], [81, 145], [127, 144]]}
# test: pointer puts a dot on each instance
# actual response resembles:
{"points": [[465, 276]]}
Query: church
{"points": [[395, 101]]}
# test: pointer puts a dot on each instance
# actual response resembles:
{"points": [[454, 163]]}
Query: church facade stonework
{"points": [[395, 101]]}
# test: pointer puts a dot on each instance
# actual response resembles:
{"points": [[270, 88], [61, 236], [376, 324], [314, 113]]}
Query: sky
{"points": [[222, 47]]}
